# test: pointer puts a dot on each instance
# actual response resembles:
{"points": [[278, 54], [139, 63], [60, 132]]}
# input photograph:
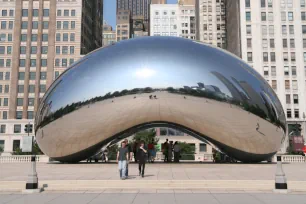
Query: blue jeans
{"points": [[122, 168]]}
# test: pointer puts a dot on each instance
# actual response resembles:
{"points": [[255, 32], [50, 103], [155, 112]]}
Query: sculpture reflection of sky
{"points": [[156, 64]]}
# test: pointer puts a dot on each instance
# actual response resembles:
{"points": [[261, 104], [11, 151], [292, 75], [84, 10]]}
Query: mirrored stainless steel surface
{"points": [[160, 81]]}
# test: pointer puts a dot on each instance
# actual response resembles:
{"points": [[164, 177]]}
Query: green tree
{"points": [[36, 150], [112, 152], [1, 149], [187, 151], [146, 135]]}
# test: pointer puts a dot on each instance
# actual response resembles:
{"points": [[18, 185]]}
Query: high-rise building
{"points": [[210, 17], [136, 7], [109, 35], [172, 20], [123, 25], [38, 41], [271, 36]]}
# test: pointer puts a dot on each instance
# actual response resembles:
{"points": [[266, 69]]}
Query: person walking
{"points": [[151, 152], [165, 150], [142, 157], [122, 156], [170, 149], [177, 152], [130, 156]]}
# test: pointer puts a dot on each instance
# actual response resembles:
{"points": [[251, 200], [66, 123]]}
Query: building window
{"points": [[4, 115], [263, 16], [2, 129], [294, 85], [35, 12], [31, 88], [58, 37], [24, 12], [272, 56], [296, 113], [72, 24], [32, 75], [20, 88], [45, 25], [248, 16], [249, 42], [24, 25], [264, 43], [16, 144], [72, 12], [288, 99], [30, 115], [250, 56], [31, 102], [291, 29], [203, 147], [65, 37], [21, 76], [34, 37], [263, 3], [65, 25], [292, 56], [303, 16], [273, 70], [249, 29], [285, 56], [43, 62], [295, 99], [44, 50], [304, 29], [289, 113], [287, 84], [58, 24], [59, 12], [58, 50], [23, 37], [19, 115], [285, 44], [19, 101], [71, 49], [266, 71], [42, 88], [65, 50], [45, 37], [33, 62], [290, 16], [66, 12], [274, 84], [72, 37], [293, 70], [272, 43], [17, 128], [43, 75], [286, 71], [46, 12], [265, 57], [33, 49]]}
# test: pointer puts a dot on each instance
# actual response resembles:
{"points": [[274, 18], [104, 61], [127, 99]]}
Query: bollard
{"points": [[32, 181], [280, 177]]}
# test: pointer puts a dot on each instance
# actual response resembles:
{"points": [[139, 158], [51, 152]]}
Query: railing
{"points": [[23, 159], [293, 158], [159, 157]]}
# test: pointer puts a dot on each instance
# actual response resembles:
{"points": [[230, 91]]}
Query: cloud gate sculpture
{"points": [[160, 81]]}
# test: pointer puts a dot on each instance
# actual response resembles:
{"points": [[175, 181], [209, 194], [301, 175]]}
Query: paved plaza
{"points": [[167, 197], [156, 171], [159, 176]]}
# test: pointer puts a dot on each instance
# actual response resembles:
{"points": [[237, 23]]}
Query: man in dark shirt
{"points": [[142, 157], [122, 157], [130, 156]]}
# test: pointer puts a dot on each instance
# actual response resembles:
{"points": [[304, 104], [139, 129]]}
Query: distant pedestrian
{"points": [[142, 157], [177, 152], [152, 152], [165, 150], [170, 149], [130, 156], [122, 157]]}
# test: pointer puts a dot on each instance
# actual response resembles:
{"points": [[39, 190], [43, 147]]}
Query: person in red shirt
{"points": [[152, 152]]}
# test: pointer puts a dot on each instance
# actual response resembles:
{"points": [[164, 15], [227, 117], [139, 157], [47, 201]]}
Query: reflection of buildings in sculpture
{"points": [[212, 89], [236, 94]]}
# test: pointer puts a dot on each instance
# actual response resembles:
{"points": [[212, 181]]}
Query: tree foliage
{"points": [[187, 148], [36, 151], [146, 135]]}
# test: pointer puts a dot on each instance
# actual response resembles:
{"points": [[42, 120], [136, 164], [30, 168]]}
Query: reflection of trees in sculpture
{"points": [[196, 91]]}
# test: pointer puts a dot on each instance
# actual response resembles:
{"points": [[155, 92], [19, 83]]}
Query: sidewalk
{"points": [[162, 197]]}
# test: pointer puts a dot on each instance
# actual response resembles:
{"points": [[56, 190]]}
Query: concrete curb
{"points": [[87, 185]]}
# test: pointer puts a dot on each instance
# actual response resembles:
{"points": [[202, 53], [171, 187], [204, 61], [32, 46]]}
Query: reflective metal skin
{"points": [[160, 81]]}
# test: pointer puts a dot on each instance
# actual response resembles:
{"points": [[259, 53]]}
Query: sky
{"points": [[110, 11]]}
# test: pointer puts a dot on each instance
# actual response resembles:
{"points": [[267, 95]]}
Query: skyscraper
{"points": [[38, 41], [271, 36], [210, 17], [136, 7], [173, 20]]}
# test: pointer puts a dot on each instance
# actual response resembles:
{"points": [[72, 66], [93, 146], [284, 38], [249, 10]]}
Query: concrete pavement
{"points": [[167, 197]]}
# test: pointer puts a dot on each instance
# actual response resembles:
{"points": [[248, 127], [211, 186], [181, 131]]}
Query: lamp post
{"points": [[32, 181]]}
